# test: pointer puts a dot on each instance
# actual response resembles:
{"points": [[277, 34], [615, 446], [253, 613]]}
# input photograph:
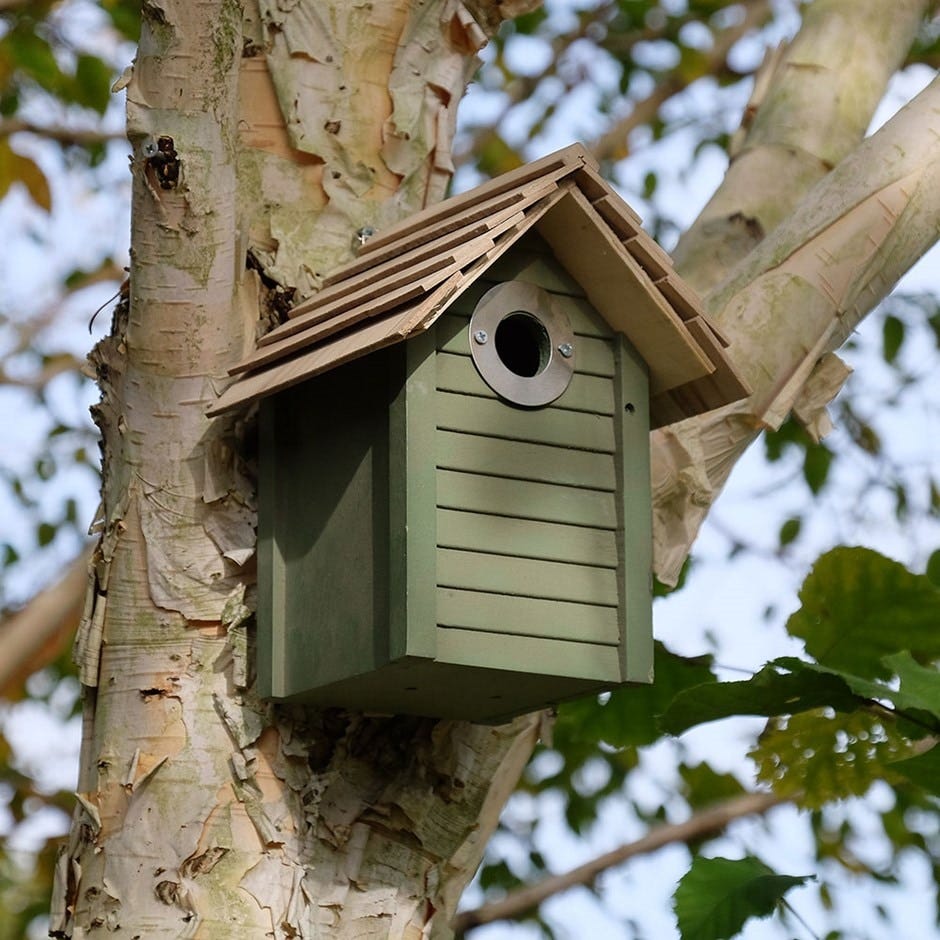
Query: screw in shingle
{"points": [[480, 336], [567, 350]]}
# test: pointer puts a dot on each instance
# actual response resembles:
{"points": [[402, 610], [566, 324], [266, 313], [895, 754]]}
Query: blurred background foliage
{"points": [[656, 88]]}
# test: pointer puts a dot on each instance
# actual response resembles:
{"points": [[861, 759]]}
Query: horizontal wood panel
{"points": [[496, 457], [585, 393], [524, 499], [452, 335], [526, 577], [536, 268], [586, 321], [492, 417], [526, 654], [525, 538], [526, 616]]}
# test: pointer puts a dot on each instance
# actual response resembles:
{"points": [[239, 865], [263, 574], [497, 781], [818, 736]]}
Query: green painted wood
{"points": [[445, 690], [526, 500], [527, 616], [524, 538], [412, 521], [572, 429], [535, 267], [540, 588], [635, 488], [585, 320], [588, 393], [328, 493], [452, 333], [516, 460], [526, 577], [271, 580], [520, 653], [593, 356]]}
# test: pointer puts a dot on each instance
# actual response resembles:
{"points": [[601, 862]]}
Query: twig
{"points": [[79, 137], [714, 819], [523, 87], [613, 144]]}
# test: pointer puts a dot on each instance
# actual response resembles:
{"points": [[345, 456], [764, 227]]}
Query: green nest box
{"points": [[454, 513]]}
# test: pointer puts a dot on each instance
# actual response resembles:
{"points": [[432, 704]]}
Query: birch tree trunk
{"points": [[265, 134], [203, 811]]}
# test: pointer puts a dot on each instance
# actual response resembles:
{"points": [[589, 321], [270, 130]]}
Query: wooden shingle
{"points": [[408, 275]]}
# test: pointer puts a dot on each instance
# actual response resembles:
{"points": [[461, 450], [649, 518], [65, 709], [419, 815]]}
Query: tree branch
{"points": [[33, 636], [704, 823], [812, 104], [68, 136], [793, 300]]}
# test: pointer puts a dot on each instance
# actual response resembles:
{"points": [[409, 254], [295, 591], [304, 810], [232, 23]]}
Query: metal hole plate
{"points": [[506, 300]]}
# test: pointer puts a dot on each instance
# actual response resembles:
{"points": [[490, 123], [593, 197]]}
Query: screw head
{"points": [[480, 336], [567, 350]]}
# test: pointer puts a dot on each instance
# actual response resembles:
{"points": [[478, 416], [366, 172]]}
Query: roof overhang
{"points": [[407, 276]]}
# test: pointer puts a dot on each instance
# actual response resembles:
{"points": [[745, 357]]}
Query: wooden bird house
{"points": [[454, 513]]}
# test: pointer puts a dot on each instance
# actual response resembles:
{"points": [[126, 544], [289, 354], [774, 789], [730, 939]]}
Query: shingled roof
{"points": [[407, 276]]}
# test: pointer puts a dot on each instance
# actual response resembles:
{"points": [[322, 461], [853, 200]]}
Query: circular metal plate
{"points": [[522, 343]]}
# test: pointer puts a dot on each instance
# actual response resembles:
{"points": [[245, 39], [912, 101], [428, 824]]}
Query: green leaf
{"points": [[768, 693], [892, 337], [859, 607], [125, 15], [704, 786], [923, 770], [92, 83], [629, 717], [816, 466], [15, 168], [34, 56], [920, 686], [790, 530], [717, 896], [819, 756], [45, 533], [918, 690], [933, 566], [498, 875]]}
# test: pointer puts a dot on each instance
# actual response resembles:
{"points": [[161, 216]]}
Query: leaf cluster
{"points": [[862, 707]]}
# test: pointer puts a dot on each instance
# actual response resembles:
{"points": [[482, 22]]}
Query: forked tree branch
{"points": [[822, 248], [812, 102], [705, 823]]}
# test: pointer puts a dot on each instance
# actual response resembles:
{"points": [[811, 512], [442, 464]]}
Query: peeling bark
{"points": [[794, 300], [811, 105]]}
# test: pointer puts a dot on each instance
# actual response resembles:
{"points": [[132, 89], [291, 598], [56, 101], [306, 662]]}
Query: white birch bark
{"points": [[796, 298], [203, 811], [811, 106]]}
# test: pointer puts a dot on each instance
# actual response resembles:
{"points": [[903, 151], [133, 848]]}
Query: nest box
{"points": [[454, 514]]}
